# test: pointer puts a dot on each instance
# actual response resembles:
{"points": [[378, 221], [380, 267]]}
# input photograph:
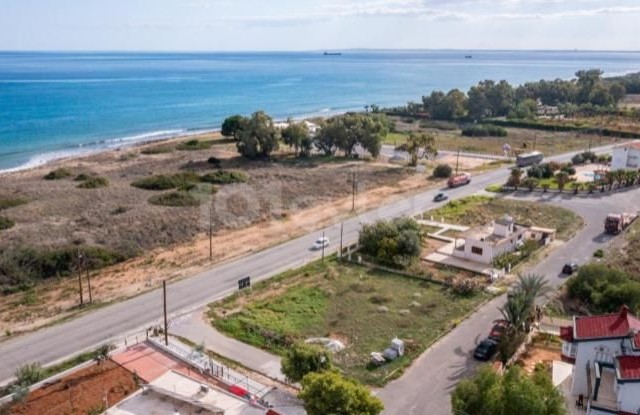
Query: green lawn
{"points": [[344, 301], [481, 210], [395, 139]]}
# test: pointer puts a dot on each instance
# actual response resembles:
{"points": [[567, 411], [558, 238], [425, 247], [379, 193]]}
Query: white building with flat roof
{"points": [[626, 157]]}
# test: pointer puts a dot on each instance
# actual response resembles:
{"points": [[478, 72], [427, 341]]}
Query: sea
{"points": [[56, 105]]}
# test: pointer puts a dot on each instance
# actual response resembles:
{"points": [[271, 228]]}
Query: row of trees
{"points": [[604, 290], [258, 137], [500, 99], [324, 390]]}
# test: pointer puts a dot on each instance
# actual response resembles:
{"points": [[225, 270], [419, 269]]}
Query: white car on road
{"points": [[321, 243]]}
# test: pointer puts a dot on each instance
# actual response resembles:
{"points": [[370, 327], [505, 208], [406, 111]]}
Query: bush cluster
{"points": [[194, 145], [225, 177], [58, 174], [442, 171], [484, 131], [6, 223], [94, 183], [175, 199], [20, 268], [8, 203], [187, 180], [395, 243], [604, 290]]}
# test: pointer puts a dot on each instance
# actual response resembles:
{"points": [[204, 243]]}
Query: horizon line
{"points": [[577, 50]]}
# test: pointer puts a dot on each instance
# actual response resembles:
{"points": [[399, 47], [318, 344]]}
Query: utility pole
{"points": [[86, 267], [535, 140], [353, 190], [166, 324], [341, 230], [457, 161], [323, 244], [211, 232], [80, 277]]}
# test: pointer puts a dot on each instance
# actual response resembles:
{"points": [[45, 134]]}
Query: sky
{"points": [[274, 25]]}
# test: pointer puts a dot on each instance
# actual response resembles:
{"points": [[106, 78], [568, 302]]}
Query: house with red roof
{"points": [[626, 156], [605, 350]]}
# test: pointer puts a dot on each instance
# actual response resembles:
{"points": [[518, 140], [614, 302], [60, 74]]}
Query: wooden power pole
{"points": [[166, 324]]}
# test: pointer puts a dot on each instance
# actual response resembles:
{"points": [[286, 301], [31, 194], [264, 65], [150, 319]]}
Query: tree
{"points": [[303, 359], [488, 393], [257, 136], [442, 171], [329, 393], [526, 109], [231, 126], [395, 243], [515, 177], [533, 287], [415, 143], [296, 135], [562, 178], [530, 183]]}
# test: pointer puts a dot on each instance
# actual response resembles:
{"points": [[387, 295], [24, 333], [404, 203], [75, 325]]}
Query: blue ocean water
{"points": [[58, 104]]}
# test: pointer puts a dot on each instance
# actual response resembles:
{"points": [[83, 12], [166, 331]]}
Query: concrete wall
{"points": [[586, 353], [625, 158]]}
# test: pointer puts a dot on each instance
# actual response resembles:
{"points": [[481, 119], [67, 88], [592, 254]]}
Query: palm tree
{"points": [[532, 286], [562, 178], [620, 177], [530, 183], [576, 187], [515, 177], [630, 177], [515, 311], [610, 178], [591, 187]]}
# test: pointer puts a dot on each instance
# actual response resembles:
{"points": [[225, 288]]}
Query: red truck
{"points": [[459, 180], [617, 222]]}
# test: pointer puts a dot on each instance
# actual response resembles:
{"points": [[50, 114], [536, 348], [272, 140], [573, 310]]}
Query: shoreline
{"points": [[128, 143]]}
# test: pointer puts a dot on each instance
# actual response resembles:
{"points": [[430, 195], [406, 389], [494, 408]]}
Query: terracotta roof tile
{"points": [[628, 367], [608, 325]]}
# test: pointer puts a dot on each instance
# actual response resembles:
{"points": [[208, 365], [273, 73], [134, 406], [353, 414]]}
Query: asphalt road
{"points": [[114, 321], [426, 387]]}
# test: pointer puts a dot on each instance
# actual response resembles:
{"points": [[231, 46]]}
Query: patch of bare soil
{"points": [[283, 199], [86, 391], [537, 354]]}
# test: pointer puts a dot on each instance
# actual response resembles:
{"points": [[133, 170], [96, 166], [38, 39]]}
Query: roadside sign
{"points": [[244, 283]]}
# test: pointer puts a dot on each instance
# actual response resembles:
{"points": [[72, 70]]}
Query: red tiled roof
{"points": [[566, 333], [608, 325], [628, 367]]}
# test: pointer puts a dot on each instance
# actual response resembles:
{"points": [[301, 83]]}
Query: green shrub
{"points": [[82, 177], [94, 183], [494, 188], [604, 290], [119, 210], [225, 177], [303, 358], [21, 267], [6, 223], [599, 253], [194, 145], [396, 243], [442, 171], [175, 199], [29, 374], [157, 150], [214, 160], [484, 131], [8, 203], [58, 174]]}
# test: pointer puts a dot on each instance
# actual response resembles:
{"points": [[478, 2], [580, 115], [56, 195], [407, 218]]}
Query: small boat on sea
{"points": [[468, 57], [332, 54]]}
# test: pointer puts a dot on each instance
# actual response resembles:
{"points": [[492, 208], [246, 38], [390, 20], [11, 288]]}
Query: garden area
{"points": [[480, 210], [364, 309]]}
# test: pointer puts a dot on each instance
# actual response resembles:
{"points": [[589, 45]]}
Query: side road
{"points": [[112, 322], [426, 387]]}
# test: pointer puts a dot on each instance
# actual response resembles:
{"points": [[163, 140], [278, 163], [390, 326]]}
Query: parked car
{"points": [[440, 197], [569, 268], [498, 330], [321, 243], [485, 350]]}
